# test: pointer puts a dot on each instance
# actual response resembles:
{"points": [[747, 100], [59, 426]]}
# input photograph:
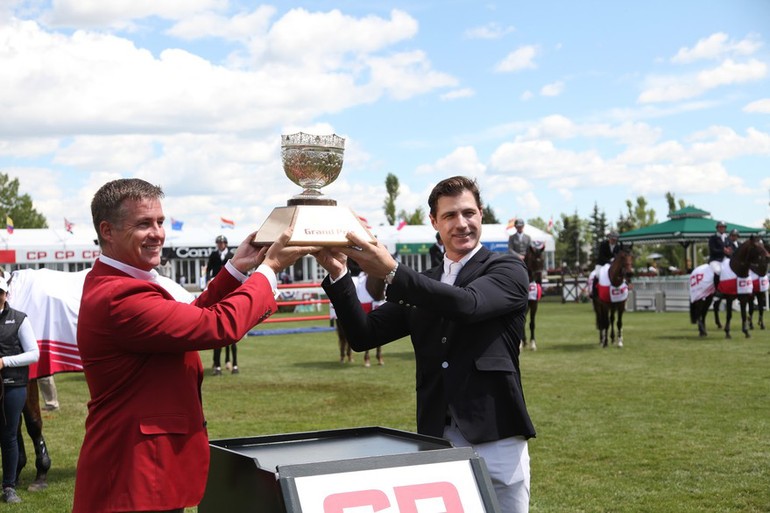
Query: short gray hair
{"points": [[107, 204]]}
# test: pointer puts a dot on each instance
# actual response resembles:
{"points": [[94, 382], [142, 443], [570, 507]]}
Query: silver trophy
{"points": [[312, 162]]}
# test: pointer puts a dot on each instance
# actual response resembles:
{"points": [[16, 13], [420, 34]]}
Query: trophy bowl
{"points": [[312, 162]]}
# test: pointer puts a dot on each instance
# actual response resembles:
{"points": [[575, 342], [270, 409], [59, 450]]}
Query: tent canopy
{"points": [[685, 226]]}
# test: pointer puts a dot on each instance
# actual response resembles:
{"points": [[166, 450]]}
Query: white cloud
{"points": [[762, 106], [245, 27], [455, 94], [104, 82], [731, 72], [675, 88], [553, 89], [519, 59], [717, 46], [119, 13], [488, 31], [526, 95], [461, 161]]}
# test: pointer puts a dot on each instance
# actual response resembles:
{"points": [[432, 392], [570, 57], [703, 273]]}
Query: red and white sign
{"points": [[447, 487]]}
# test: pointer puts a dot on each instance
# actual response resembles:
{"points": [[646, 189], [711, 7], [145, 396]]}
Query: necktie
{"points": [[451, 270]]}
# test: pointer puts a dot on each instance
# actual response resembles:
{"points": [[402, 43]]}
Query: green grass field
{"points": [[670, 423]]}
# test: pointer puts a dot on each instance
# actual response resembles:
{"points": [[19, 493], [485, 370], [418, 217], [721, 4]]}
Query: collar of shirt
{"points": [[129, 270], [462, 261]]}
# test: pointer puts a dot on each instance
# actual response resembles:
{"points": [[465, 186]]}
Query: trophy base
{"points": [[314, 225]]}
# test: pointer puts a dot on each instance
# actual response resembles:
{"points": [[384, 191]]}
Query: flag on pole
{"points": [[364, 222], [227, 223], [550, 225], [68, 225], [176, 224], [9, 224], [511, 223], [401, 224]]}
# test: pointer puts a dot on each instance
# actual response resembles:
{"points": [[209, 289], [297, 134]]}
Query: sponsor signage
{"points": [[49, 255], [446, 487]]}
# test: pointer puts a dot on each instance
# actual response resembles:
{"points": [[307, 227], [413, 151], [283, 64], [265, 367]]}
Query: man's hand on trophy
{"points": [[373, 257], [248, 257], [335, 263], [279, 256]]}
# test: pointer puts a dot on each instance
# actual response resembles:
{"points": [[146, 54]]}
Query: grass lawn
{"points": [[670, 423]]}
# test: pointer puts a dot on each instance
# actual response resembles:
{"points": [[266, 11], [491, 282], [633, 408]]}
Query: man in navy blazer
{"points": [[465, 319]]}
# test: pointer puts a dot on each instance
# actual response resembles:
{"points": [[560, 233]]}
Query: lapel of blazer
{"points": [[474, 266], [435, 272]]}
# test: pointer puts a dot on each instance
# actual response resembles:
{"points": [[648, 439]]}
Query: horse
{"points": [[534, 261], [761, 284], [371, 292], [735, 283], [34, 423], [610, 296]]}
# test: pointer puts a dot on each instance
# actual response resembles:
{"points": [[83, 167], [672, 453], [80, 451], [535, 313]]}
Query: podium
{"points": [[369, 468]]}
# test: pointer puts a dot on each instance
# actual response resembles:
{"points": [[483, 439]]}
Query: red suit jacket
{"points": [[146, 445]]}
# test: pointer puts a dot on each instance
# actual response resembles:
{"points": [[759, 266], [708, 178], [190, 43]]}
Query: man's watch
{"points": [[392, 274]]}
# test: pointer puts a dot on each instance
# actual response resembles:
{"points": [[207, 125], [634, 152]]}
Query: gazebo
{"points": [[686, 227]]}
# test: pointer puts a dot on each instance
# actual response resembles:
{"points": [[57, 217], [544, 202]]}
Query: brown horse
{"points": [[376, 289], [534, 261], [620, 271], [750, 256], [759, 278], [34, 422]]}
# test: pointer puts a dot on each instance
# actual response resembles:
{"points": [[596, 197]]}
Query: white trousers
{"points": [[716, 266], [508, 465]]}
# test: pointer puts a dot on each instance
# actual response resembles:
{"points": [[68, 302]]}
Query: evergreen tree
{"points": [[598, 228], [570, 241], [489, 216]]}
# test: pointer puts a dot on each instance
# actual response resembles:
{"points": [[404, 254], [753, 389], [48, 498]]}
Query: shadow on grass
{"points": [[358, 360], [571, 348]]}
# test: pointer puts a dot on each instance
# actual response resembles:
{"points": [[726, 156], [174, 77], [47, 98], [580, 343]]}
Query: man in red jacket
{"points": [[146, 446]]}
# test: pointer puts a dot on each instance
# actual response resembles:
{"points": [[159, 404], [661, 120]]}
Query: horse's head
{"points": [[622, 267], [760, 267], [534, 259], [751, 255]]}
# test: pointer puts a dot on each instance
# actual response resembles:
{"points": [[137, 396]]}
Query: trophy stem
{"points": [[316, 199]]}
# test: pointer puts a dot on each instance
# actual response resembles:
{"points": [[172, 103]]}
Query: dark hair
{"points": [[453, 187], [107, 204]]}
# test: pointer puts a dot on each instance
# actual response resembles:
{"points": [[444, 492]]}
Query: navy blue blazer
{"points": [[465, 338]]}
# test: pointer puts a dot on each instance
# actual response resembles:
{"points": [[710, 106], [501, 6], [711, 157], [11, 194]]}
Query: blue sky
{"points": [[552, 105]]}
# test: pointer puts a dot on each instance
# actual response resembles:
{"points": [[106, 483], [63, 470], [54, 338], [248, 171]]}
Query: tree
{"points": [[538, 223], [570, 241], [637, 216], [416, 217], [672, 203], [391, 186], [489, 216], [598, 228], [18, 207], [672, 254]]}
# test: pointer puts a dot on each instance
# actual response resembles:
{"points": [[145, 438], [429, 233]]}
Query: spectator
{"points": [[18, 349]]}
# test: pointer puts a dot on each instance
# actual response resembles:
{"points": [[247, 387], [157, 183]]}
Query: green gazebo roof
{"points": [[686, 225]]}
